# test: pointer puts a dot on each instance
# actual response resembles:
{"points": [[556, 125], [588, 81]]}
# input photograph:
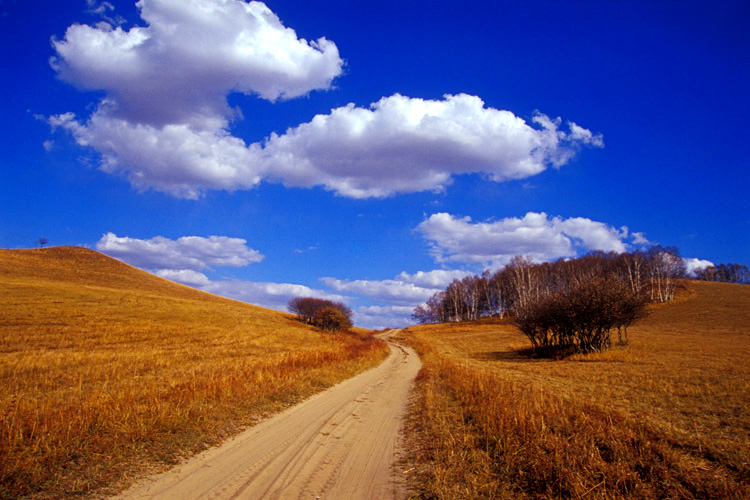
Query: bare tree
{"points": [[431, 311], [726, 273], [42, 241], [666, 266]]}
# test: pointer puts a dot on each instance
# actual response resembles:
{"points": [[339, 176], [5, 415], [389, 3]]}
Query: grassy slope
{"points": [[666, 416], [104, 368]]}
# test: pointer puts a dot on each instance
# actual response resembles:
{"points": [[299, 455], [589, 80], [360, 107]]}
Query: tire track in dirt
{"points": [[339, 444]]}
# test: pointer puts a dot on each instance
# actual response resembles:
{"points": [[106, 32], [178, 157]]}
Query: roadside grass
{"points": [[108, 372], [664, 417]]}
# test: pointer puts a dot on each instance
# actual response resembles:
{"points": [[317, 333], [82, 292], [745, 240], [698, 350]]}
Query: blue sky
{"points": [[371, 152]]}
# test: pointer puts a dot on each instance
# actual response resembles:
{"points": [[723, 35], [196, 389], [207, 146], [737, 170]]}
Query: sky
{"points": [[372, 152]]}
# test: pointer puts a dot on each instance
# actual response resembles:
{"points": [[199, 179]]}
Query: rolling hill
{"points": [[106, 370], [663, 417]]}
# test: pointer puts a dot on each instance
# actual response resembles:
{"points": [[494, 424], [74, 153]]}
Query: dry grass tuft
{"points": [[105, 369], [665, 417]]}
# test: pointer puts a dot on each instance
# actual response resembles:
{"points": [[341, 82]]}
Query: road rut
{"points": [[339, 444]]}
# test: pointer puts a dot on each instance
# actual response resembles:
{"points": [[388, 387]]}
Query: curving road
{"points": [[339, 444]]}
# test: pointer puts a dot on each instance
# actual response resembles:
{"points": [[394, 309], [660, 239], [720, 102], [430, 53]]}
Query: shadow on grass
{"points": [[528, 354]]}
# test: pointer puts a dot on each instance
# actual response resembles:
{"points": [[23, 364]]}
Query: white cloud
{"points": [[270, 295], [494, 243], [693, 264], [379, 317], [189, 56], [640, 239], [592, 235], [402, 144], [182, 259], [185, 253], [398, 296], [439, 278], [102, 9], [390, 291], [174, 159], [164, 123], [184, 276]]}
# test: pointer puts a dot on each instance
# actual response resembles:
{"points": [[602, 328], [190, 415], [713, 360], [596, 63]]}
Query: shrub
{"points": [[332, 319], [307, 308], [580, 315]]}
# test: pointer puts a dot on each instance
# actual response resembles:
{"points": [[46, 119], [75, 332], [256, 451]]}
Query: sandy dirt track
{"points": [[340, 444]]}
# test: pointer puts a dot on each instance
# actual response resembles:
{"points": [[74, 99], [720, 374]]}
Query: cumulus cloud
{"points": [[543, 238], [399, 295], [439, 278], [184, 276], [401, 144], [181, 260], [391, 291], [175, 159], [186, 253], [264, 294], [693, 264], [379, 317], [164, 121], [180, 67]]}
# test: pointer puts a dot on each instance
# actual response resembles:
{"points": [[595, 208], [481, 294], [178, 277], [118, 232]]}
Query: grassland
{"points": [[664, 417], [107, 371]]}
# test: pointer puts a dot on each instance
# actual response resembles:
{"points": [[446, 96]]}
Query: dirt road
{"points": [[340, 444]]}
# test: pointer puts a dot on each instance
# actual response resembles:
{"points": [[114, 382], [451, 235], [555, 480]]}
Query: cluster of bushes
{"points": [[325, 314], [567, 303], [581, 315]]}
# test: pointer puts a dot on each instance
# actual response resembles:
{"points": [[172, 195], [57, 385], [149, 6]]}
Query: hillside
{"points": [[663, 417], [84, 267], [106, 369]]}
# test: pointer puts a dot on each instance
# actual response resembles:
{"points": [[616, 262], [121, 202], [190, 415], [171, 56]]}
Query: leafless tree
{"points": [[666, 267]]}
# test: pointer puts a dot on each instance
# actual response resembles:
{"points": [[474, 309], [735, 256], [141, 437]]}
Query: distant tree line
{"points": [[652, 274], [325, 314], [567, 303], [725, 273]]}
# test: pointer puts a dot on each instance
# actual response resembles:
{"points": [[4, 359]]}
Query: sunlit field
{"points": [[107, 372], [664, 417]]}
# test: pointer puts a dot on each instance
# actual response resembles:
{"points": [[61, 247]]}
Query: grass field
{"points": [[667, 416], [107, 371]]}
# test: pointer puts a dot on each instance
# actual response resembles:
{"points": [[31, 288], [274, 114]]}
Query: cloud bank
{"points": [[398, 296], [181, 260], [164, 123], [537, 235], [264, 294]]}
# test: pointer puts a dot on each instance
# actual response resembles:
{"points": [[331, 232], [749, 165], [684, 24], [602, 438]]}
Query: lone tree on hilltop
{"points": [[42, 241]]}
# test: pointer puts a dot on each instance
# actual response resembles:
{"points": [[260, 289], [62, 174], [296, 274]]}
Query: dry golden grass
{"points": [[665, 417], [105, 369]]}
